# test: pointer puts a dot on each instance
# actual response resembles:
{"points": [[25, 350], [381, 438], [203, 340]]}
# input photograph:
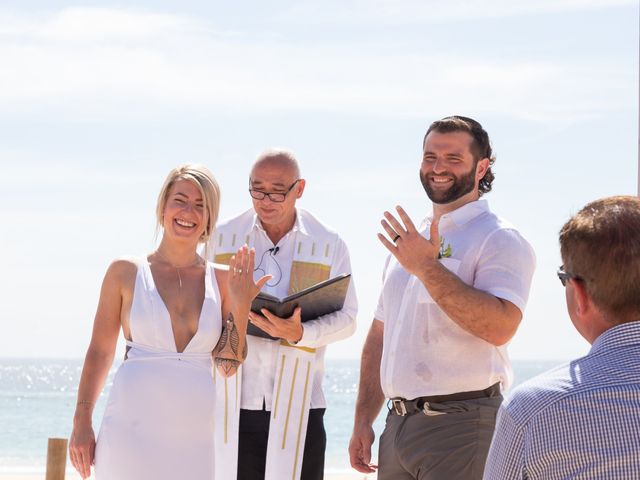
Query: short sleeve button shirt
{"points": [[427, 353]]}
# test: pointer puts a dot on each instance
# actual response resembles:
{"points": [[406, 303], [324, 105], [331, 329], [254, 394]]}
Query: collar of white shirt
{"points": [[298, 226], [461, 215]]}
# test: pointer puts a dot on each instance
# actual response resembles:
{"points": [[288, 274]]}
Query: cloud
{"points": [[109, 64], [407, 12], [62, 175], [93, 25]]}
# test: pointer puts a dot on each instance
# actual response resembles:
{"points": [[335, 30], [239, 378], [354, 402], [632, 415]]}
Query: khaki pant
{"points": [[451, 446]]}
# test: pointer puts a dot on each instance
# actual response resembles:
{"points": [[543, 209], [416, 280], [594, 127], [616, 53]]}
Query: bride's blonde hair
{"points": [[209, 189]]}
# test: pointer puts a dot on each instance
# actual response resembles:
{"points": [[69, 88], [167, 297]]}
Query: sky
{"points": [[99, 101]]}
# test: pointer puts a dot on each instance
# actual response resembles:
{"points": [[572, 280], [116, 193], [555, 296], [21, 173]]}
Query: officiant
{"points": [[273, 408]]}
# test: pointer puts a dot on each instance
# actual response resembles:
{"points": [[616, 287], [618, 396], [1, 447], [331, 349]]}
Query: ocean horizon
{"points": [[38, 396]]}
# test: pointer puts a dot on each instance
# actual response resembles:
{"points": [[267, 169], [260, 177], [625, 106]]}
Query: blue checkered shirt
{"points": [[578, 421]]}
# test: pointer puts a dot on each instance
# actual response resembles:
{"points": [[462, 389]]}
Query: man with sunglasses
{"points": [[582, 419], [453, 295], [279, 390]]}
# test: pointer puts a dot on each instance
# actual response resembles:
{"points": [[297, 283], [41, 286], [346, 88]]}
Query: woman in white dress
{"points": [[159, 422]]}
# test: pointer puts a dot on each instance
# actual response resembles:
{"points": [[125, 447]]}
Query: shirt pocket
{"points": [[450, 264]]}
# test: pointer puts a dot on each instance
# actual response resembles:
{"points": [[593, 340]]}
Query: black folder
{"points": [[317, 300]]}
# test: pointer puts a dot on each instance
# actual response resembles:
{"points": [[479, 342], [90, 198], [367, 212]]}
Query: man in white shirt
{"points": [[298, 251], [453, 295]]}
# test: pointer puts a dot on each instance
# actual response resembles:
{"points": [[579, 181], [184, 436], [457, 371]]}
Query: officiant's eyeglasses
{"points": [[273, 196], [566, 276]]}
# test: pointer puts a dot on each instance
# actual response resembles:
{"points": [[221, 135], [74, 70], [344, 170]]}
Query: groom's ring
{"points": [[239, 271], [395, 239]]}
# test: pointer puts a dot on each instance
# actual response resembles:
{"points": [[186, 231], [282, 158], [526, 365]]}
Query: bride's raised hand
{"points": [[241, 286], [231, 349]]}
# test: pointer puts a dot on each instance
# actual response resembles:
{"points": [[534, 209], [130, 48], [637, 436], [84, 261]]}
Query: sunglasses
{"points": [[565, 276]]}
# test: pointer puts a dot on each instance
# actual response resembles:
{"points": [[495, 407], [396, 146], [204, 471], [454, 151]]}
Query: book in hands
{"points": [[317, 300]]}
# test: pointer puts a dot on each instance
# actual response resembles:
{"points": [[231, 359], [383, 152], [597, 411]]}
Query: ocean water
{"points": [[37, 401]]}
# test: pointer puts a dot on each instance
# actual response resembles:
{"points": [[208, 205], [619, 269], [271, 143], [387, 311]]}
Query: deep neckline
{"points": [[166, 309]]}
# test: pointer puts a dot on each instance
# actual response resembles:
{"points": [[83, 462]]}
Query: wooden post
{"points": [[56, 458]]}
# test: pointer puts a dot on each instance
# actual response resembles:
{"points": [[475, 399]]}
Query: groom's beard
{"points": [[460, 186]]}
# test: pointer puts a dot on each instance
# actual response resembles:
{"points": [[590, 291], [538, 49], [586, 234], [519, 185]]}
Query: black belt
{"points": [[402, 406]]}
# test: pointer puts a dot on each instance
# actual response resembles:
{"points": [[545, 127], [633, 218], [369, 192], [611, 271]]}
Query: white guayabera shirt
{"points": [[425, 352], [261, 363], [309, 253]]}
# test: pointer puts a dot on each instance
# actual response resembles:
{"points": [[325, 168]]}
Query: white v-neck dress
{"points": [[159, 420]]}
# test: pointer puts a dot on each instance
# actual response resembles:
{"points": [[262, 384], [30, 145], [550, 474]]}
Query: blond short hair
{"points": [[209, 189], [601, 246]]}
